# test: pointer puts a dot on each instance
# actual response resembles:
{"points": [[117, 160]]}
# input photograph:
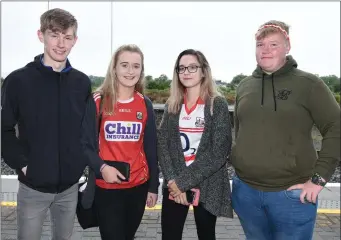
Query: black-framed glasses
{"points": [[191, 69]]}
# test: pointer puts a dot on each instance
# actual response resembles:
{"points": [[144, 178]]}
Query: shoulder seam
{"points": [[311, 77], [140, 95]]}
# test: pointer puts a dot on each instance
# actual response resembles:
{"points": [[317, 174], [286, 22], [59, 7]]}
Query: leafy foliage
{"points": [[158, 88], [96, 81], [333, 82], [160, 83]]}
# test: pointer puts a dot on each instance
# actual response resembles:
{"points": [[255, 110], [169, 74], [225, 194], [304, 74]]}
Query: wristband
{"points": [[102, 167]]}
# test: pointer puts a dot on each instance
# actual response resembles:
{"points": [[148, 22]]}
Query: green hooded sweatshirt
{"points": [[274, 116]]}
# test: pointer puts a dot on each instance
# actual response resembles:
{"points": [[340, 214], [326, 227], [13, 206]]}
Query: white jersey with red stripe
{"points": [[191, 127]]}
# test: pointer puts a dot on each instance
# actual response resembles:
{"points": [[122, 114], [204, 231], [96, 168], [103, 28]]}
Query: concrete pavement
{"points": [[327, 227], [329, 198]]}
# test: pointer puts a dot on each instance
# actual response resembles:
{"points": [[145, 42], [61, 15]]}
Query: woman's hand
{"points": [[182, 199], [173, 189], [151, 199], [111, 174]]}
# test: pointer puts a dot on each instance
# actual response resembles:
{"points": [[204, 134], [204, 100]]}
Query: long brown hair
{"points": [[208, 89]]}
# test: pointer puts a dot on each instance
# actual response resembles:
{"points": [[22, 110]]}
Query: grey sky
{"points": [[223, 31]]}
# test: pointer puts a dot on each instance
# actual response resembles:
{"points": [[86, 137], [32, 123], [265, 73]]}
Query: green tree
{"points": [[96, 81], [231, 87], [148, 78], [162, 78], [160, 83], [333, 82], [237, 79]]}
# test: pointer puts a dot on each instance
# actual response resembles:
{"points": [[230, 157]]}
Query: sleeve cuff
{"points": [[324, 173], [22, 163]]}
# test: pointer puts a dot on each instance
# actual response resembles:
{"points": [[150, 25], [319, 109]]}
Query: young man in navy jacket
{"points": [[49, 101]]}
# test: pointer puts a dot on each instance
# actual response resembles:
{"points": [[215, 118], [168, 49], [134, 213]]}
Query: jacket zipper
{"points": [[59, 168]]}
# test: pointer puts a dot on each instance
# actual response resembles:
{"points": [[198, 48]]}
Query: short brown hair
{"points": [[57, 20], [264, 31]]}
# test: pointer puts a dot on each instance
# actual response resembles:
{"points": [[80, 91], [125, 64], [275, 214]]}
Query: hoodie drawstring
{"points": [[273, 91], [262, 101]]}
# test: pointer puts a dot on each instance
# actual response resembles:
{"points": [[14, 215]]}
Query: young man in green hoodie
{"points": [[278, 171]]}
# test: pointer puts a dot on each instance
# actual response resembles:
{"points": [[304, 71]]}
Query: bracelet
{"points": [[103, 166]]}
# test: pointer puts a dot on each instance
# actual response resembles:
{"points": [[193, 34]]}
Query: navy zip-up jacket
{"points": [[49, 109]]}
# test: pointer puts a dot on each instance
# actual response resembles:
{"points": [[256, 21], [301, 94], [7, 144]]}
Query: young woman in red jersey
{"points": [[194, 143], [127, 134]]}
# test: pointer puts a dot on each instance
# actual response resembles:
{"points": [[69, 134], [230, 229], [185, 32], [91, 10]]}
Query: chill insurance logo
{"points": [[122, 131]]}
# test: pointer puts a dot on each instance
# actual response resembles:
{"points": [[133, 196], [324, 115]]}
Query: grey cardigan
{"points": [[209, 171]]}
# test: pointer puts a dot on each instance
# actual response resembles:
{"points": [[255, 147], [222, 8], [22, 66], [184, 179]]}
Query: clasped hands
{"points": [[175, 192]]}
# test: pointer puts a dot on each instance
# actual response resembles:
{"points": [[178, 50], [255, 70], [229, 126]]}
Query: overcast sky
{"points": [[223, 31]]}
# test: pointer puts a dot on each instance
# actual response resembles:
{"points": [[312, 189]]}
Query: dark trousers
{"points": [[173, 217], [120, 211]]}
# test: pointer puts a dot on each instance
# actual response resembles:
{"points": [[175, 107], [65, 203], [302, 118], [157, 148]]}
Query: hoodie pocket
{"points": [[282, 166], [264, 162]]}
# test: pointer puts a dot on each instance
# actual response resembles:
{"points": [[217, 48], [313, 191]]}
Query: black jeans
{"points": [[173, 217], [120, 211]]}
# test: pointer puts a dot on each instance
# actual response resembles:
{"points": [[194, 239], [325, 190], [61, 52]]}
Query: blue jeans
{"points": [[272, 215]]}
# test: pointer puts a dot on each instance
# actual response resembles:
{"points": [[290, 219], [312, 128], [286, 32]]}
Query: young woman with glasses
{"points": [[194, 143]]}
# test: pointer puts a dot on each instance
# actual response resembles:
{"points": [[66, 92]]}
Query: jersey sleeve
{"points": [[97, 99]]}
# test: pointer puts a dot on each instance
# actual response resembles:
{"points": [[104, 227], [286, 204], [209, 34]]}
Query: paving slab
{"points": [[327, 227]]}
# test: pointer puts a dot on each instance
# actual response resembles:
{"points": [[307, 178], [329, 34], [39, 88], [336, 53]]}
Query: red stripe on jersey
{"points": [[192, 131], [190, 158]]}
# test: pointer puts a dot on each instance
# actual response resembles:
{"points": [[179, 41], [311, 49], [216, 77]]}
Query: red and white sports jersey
{"points": [[121, 139], [191, 126]]}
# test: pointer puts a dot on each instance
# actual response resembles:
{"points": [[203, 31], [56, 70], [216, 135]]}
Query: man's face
{"points": [[57, 45], [271, 52]]}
